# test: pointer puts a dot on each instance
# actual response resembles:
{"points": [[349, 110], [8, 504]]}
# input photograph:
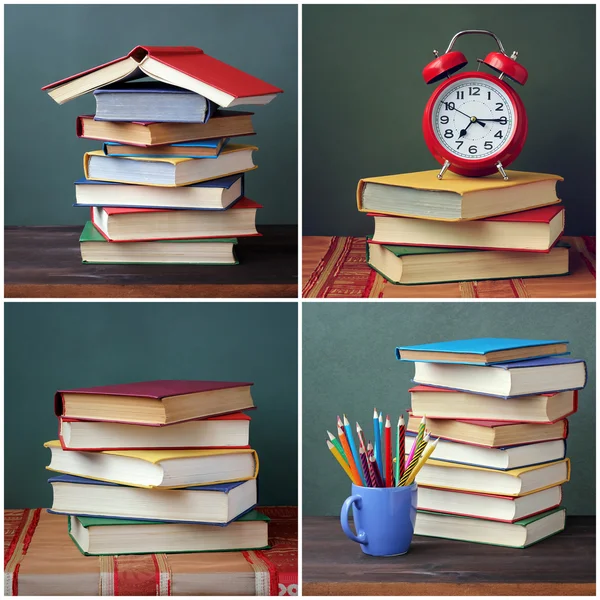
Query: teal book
{"points": [[520, 534], [95, 536], [414, 265], [482, 351], [95, 249]]}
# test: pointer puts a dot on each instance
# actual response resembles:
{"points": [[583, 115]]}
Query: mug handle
{"points": [[361, 536]]}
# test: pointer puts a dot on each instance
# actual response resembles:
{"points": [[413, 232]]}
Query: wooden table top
{"points": [[336, 267], [45, 262], [564, 564]]}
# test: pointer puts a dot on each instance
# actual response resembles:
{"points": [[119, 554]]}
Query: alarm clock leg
{"points": [[443, 169], [502, 171]]}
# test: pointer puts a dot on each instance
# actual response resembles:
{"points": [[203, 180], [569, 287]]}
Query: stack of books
{"points": [[499, 408], [157, 467], [167, 187], [458, 228]]}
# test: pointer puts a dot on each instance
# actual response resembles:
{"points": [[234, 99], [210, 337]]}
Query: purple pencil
{"points": [[365, 467], [378, 479]]}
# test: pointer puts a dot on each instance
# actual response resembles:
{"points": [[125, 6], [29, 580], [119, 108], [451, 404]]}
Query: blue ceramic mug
{"points": [[384, 518]]}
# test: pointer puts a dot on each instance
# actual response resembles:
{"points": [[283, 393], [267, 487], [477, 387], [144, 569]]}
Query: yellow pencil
{"points": [[422, 444], [343, 464], [428, 451]]}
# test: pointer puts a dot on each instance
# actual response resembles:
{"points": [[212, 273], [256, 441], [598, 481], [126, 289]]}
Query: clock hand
{"points": [[468, 117], [463, 132], [493, 120]]}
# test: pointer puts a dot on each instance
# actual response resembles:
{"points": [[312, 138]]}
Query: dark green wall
{"points": [[349, 366], [47, 43], [52, 346], [363, 98]]}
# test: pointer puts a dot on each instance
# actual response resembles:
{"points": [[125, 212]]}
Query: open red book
{"points": [[184, 66]]}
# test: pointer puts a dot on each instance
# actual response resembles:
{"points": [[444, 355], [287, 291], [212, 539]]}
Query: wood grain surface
{"points": [[564, 564], [45, 262]]}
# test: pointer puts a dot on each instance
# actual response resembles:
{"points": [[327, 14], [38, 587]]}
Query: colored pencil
{"points": [[353, 448], [370, 465], [349, 457], [415, 459], [400, 438], [340, 460], [361, 437], [389, 480], [377, 437], [426, 454], [420, 434], [337, 445], [364, 465], [380, 459], [378, 480]]}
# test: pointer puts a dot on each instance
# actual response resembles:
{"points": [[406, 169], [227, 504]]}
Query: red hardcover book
{"points": [[185, 66], [491, 434], [221, 432], [196, 225], [547, 408], [157, 403], [536, 230]]}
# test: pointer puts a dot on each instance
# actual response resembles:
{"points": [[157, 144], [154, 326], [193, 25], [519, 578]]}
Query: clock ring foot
{"points": [[444, 169], [501, 171]]}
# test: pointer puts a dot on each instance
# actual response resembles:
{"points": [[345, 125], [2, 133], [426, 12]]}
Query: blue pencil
{"points": [[377, 435], [353, 447], [380, 459]]}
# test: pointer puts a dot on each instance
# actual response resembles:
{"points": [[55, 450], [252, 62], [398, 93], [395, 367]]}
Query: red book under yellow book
{"points": [[184, 66], [534, 230], [148, 224]]}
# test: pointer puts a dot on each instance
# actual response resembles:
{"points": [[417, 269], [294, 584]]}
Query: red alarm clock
{"points": [[474, 123]]}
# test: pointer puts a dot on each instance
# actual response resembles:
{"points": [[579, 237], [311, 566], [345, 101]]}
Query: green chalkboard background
{"points": [[364, 95], [349, 366], [45, 43], [50, 346]]}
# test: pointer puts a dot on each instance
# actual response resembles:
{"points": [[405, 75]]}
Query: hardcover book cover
{"points": [[204, 74]]}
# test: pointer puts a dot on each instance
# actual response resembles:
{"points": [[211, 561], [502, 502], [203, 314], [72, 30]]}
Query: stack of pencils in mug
{"points": [[373, 465]]}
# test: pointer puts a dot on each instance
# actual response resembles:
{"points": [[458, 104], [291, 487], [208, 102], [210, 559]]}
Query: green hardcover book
{"points": [[95, 536], [412, 265], [95, 249], [496, 533]]}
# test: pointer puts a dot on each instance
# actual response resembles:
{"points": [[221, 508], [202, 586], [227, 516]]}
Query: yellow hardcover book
{"points": [[153, 457], [454, 197], [457, 475], [197, 169]]}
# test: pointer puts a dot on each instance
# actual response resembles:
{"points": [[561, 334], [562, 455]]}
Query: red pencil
{"points": [[389, 478]]}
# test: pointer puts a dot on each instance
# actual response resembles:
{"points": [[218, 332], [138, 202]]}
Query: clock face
{"points": [[473, 118]]}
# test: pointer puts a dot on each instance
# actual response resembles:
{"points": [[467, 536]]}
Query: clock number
{"points": [[474, 91], [449, 105], [498, 134], [448, 133], [488, 145], [460, 143], [473, 149], [503, 121], [489, 95], [444, 119], [499, 107], [460, 95]]}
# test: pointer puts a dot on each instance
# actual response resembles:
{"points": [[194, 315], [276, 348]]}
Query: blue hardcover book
{"points": [[508, 380], [216, 194], [482, 351], [204, 504], [197, 149], [151, 102], [499, 459]]}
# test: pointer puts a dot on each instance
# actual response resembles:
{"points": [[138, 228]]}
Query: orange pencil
{"points": [[348, 453], [389, 479]]}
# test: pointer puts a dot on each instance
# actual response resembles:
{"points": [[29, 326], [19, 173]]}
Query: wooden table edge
{"points": [[447, 589]]}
